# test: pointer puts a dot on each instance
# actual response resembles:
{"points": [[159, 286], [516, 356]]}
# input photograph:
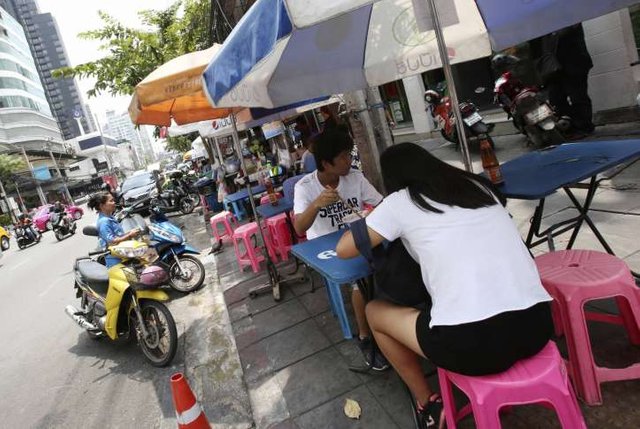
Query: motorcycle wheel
{"points": [[186, 205], [554, 137], [21, 245], [194, 277], [5, 243], [162, 342], [195, 198], [59, 235], [453, 138]]}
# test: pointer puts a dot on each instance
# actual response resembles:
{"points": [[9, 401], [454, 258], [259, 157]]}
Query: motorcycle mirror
{"points": [[480, 90], [90, 230]]}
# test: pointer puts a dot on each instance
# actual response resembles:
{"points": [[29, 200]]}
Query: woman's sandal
{"points": [[432, 413]]}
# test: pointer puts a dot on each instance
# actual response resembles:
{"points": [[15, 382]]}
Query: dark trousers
{"points": [[568, 94]]}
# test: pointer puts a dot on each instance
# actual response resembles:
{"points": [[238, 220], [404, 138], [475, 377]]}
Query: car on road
{"points": [[42, 215], [4, 239], [138, 187]]}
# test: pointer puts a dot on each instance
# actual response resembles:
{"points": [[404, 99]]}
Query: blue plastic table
{"points": [[267, 210], [236, 199], [536, 175], [320, 254]]}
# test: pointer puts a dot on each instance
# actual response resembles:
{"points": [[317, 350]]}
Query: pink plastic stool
{"points": [[573, 278], [280, 234], [265, 198], [539, 379], [252, 255], [227, 221], [269, 243]]}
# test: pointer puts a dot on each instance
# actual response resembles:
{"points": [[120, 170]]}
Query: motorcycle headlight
{"points": [[166, 235], [128, 252]]}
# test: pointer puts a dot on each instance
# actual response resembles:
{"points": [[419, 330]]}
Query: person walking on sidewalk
{"points": [[321, 201]]}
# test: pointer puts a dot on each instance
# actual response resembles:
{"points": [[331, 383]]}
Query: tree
{"points": [[10, 164], [133, 53], [180, 143]]}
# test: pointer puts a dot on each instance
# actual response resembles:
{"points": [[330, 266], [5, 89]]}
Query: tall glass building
{"points": [[25, 116]]}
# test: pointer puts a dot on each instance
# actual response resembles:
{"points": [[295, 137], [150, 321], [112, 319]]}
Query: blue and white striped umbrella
{"points": [[283, 51]]}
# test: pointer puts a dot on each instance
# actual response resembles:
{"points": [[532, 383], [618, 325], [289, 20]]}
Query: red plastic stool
{"points": [[539, 379], [573, 278], [265, 198], [280, 235], [243, 235], [227, 221]]}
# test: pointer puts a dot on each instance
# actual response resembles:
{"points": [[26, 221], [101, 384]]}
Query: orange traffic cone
{"points": [[188, 411]]}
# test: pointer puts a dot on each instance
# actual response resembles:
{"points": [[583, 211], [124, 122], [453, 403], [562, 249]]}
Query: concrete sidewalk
{"points": [[295, 361]]}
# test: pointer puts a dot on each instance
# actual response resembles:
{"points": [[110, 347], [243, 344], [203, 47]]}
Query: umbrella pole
{"points": [[274, 277], [446, 66]]}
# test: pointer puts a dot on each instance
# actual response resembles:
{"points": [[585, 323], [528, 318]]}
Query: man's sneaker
{"points": [[379, 362], [431, 416]]}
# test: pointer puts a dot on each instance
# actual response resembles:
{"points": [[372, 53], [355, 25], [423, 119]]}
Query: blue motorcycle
{"points": [[186, 272]]}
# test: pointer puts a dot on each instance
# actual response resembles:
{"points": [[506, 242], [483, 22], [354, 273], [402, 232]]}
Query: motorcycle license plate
{"points": [[538, 114], [472, 119]]}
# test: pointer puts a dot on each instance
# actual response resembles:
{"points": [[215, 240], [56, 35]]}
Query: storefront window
{"points": [[395, 99]]}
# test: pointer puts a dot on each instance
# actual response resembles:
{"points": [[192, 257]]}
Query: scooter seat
{"points": [[95, 274]]}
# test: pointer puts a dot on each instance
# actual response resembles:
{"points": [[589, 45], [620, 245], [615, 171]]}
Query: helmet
{"points": [[153, 276], [501, 62], [432, 97]]}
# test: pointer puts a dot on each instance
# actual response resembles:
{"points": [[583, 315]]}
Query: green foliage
{"points": [[132, 53], [180, 143], [5, 220], [10, 164]]}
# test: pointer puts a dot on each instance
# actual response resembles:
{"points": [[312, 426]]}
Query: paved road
{"points": [[51, 373]]}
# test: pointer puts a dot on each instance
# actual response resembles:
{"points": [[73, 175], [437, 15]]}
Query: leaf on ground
{"points": [[352, 409]]}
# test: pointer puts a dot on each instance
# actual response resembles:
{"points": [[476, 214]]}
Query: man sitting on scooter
{"points": [[110, 231], [26, 224]]}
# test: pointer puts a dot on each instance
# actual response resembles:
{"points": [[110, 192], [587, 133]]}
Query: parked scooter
{"points": [[123, 301], [529, 108], [186, 272], [63, 225], [26, 235], [439, 106]]}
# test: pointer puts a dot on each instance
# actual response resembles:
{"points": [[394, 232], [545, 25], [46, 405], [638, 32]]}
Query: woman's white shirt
{"points": [[473, 261]]}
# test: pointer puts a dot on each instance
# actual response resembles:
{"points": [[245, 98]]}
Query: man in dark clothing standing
{"points": [[568, 86]]}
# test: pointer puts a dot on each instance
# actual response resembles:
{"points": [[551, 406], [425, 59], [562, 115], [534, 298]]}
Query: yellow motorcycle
{"points": [[124, 301]]}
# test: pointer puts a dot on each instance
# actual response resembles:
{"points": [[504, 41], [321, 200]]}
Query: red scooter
{"points": [[528, 107], [439, 106]]}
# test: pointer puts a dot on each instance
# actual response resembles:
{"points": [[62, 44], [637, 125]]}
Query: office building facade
{"points": [[49, 53]]}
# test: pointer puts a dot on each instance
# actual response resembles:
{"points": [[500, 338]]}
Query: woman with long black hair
{"points": [[489, 308]]}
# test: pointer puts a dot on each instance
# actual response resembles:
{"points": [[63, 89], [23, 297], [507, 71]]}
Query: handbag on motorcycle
{"points": [[153, 276], [396, 275]]}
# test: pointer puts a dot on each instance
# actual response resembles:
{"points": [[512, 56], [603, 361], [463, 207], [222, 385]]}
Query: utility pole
{"points": [[43, 198], [67, 194]]}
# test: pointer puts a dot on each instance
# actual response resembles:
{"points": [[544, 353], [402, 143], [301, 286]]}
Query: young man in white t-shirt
{"points": [[321, 201]]}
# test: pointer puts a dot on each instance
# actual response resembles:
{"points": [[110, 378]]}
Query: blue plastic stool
{"points": [[237, 208]]}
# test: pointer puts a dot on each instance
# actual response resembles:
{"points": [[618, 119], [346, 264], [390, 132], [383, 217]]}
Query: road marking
{"points": [[15, 267], [44, 292]]}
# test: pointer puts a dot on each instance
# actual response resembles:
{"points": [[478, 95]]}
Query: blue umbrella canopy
{"points": [[283, 51]]}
